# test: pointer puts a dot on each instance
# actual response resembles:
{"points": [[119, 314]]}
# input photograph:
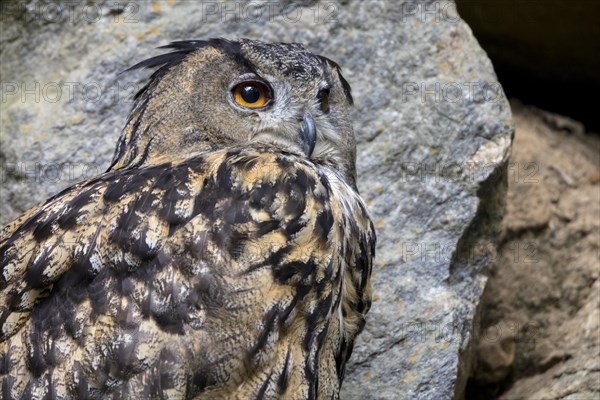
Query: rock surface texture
{"points": [[541, 314], [433, 127]]}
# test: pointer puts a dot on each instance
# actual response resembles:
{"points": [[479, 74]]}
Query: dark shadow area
{"points": [[479, 391], [545, 52]]}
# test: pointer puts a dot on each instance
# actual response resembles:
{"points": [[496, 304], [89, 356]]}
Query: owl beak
{"points": [[308, 134]]}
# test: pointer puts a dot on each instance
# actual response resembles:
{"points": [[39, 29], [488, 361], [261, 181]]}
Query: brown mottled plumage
{"points": [[225, 254]]}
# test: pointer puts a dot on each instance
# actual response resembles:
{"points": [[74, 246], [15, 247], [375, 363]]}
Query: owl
{"points": [[224, 254]]}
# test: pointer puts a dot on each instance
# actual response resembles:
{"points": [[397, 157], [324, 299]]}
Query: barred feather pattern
{"points": [[233, 274]]}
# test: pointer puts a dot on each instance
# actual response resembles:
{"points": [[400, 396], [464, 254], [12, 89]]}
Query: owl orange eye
{"points": [[251, 94]]}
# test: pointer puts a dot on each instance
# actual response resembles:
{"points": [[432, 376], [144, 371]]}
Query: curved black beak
{"points": [[308, 134]]}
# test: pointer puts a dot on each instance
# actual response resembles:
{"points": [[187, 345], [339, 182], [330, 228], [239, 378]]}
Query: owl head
{"points": [[209, 95]]}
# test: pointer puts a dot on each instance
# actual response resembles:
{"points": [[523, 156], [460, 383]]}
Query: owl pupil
{"points": [[250, 94], [324, 100]]}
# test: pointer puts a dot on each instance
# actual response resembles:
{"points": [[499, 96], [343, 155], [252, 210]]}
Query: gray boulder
{"points": [[433, 126]]}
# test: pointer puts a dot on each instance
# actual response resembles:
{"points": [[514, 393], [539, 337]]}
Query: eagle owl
{"points": [[224, 254]]}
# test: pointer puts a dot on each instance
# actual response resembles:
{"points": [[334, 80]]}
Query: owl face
{"points": [[216, 93], [292, 98]]}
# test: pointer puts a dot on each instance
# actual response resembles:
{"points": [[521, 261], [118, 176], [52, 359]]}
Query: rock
{"points": [[531, 205], [496, 352], [433, 128], [545, 284]]}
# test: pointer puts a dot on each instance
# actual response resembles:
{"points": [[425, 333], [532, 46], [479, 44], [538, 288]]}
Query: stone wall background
{"points": [[434, 137], [540, 330]]}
